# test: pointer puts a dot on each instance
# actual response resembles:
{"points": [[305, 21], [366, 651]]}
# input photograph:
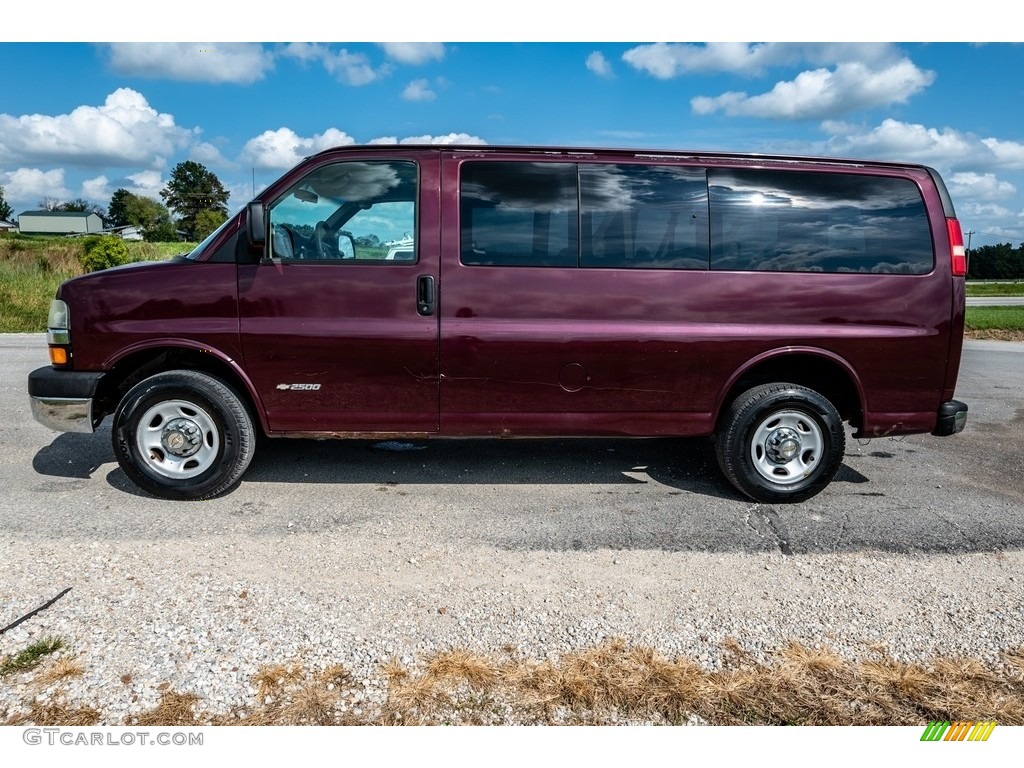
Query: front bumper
{"points": [[952, 418], [63, 400]]}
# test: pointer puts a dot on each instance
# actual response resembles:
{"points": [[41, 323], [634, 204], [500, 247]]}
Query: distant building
{"points": [[128, 232], [7, 226], [59, 223]]}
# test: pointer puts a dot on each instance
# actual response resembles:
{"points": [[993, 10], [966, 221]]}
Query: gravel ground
{"points": [[202, 617]]}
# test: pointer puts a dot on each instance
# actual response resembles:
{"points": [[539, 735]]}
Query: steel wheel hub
{"points": [[181, 437], [786, 447], [177, 439], [783, 445]]}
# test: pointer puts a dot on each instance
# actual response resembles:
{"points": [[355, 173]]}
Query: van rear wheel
{"points": [[183, 435], [780, 443]]}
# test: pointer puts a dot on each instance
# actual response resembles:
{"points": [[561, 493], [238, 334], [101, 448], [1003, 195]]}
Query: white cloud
{"points": [[448, 138], [979, 186], [985, 211], [350, 68], [97, 190], [823, 93], [304, 52], [208, 154], [200, 62], [284, 148], [353, 68], [145, 184], [912, 142], [124, 131], [598, 64], [27, 186], [418, 90], [1010, 154], [414, 53], [668, 60]]}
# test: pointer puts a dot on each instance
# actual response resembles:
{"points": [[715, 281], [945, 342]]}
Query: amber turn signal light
{"points": [[58, 356]]}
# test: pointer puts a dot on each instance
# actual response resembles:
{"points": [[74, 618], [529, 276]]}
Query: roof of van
{"points": [[636, 153]]}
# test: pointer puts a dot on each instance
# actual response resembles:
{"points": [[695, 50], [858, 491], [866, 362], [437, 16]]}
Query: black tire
{"points": [[780, 443], [183, 435]]}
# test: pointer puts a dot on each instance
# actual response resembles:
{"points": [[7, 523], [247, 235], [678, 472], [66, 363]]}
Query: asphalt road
{"points": [[915, 494]]}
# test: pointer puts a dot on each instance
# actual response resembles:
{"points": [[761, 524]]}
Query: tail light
{"points": [[957, 254]]}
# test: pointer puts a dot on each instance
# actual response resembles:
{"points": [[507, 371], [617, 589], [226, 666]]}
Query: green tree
{"points": [[149, 215], [117, 211], [207, 221], [78, 205], [103, 253], [6, 212], [73, 205], [997, 262], [193, 189]]}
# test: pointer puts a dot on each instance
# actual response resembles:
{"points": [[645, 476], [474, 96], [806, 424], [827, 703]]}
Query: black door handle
{"points": [[425, 295]]}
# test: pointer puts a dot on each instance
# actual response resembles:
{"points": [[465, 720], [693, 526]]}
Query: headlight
{"points": [[57, 325]]}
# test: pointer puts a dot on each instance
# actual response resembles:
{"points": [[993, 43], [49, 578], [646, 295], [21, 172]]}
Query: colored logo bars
{"points": [[960, 730]]}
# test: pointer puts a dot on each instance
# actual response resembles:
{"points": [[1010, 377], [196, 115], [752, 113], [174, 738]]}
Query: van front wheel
{"points": [[780, 443], [183, 435]]}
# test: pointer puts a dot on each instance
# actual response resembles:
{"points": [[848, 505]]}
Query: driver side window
{"points": [[349, 212]]}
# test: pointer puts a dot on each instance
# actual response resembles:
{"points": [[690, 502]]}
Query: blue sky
{"points": [[81, 119]]}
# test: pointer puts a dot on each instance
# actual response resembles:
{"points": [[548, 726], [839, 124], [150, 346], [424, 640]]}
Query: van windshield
{"points": [[198, 251]]}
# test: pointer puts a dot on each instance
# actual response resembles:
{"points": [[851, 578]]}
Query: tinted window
{"points": [[643, 216], [348, 212], [519, 214], [817, 222]]}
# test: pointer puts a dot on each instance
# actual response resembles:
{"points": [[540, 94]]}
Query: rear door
{"points": [[338, 323]]}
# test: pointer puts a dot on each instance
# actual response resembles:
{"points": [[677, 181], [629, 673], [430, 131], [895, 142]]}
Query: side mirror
{"points": [[346, 246], [257, 225]]}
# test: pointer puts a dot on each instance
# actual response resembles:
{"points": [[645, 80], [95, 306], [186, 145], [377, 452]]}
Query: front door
{"points": [[338, 321]]}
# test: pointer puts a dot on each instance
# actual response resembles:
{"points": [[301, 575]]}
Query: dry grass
{"points": [[614, 682], [61, 669], [174, 709], [55, 712], [995, 334], [618, 683]]}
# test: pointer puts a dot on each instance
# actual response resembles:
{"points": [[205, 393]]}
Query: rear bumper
{"points": [[952, 417], [63, 400]]}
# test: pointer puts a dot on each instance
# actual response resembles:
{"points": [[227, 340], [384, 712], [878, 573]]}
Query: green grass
{"points": [[30, 656], [995, 289], [25, 294], [141, 251], [995, 319], [32, 267]]}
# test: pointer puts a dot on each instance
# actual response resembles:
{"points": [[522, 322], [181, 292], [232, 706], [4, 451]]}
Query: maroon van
{"points": [[508, 291]]}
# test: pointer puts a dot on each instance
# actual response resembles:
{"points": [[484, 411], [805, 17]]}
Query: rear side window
{"points": [[519, 214], [817, 222], [643, 216]]}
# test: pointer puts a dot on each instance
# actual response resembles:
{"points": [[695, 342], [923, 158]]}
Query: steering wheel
{"points": [[322, 237]]}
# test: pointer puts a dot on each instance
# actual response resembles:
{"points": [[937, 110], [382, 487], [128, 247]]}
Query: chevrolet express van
{"points": [[762, 301]]}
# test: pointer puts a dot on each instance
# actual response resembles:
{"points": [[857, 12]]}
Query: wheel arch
{"points": [[817, 369], [134, 364]]}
